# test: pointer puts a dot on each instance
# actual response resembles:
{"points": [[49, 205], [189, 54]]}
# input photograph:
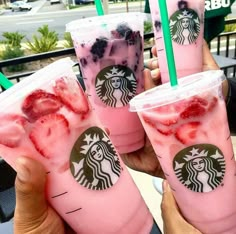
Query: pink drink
{"points": [[47, 116], [110, 52], [188, 129], [186, 27]]}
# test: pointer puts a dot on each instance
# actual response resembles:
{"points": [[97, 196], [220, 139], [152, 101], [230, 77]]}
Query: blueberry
{"points": [[98, 48], [182, 4]]}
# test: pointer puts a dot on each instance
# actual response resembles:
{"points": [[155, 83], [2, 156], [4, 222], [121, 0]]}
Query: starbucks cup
{"points": [[188, 129], [110, 53], [47, 117], [186, 22]]}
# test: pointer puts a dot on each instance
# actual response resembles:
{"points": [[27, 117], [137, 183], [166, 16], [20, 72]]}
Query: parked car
{"points": [[78, 2], [20, 6], [55, 1]]}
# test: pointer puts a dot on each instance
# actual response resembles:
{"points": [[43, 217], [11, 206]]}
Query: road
{"points": [[55, 16]]}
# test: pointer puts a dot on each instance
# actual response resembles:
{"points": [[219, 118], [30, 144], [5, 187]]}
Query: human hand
{"points": [[33, 215], [144, 159], [173, 221]]}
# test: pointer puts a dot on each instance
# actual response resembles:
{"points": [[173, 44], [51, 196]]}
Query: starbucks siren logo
{"points": [[94, 162], [200, 168], [184, 26], [116, 85]]}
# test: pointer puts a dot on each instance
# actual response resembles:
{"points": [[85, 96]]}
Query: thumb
{"points": [[168, 204], [31, 205], [171, 217]]}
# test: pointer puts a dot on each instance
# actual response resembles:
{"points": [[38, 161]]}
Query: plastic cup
{"points": [[186, 19], [48, 117], [110, 53], [188, 129]]}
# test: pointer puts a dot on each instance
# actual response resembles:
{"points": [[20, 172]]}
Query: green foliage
{"points": [[230, 28], [13, 52], [12, 39], [46, 41], [147, 27], [68, 40]]}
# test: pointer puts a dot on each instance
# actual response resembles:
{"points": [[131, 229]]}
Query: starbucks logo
{"points": [[201, 168], [93, 161], [116, 85], [185, 26]]}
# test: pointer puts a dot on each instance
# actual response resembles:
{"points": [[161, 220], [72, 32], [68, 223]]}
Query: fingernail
{"points": [[154, 64], [23, 172], [165, 186], [154, 73]]}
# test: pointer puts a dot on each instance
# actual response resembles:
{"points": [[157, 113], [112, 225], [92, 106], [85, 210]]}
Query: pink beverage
{"points": [[187, 126], [186, 20], [47, 116], [110, 52]]}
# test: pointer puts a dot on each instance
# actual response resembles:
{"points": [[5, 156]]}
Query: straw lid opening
{"points": [[188, 86]]}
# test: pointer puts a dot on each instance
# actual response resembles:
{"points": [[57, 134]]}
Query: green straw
{"points": [[168, 42], [4, 82], [99, 8]]}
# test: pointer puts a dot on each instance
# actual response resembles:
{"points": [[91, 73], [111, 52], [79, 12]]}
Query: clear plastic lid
{"points": [[41, 78], [187, 87], [86, 28]]}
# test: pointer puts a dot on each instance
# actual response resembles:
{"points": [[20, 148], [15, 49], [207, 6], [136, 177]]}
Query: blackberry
{"points": [[157, 25], [83, 62], [98, 48], [182, 4], [124, 62], [124, 31]]}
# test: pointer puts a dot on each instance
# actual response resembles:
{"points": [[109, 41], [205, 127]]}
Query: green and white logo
{"points": [[185, 26]]}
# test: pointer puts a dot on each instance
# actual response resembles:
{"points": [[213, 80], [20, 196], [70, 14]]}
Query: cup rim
{"points": [[188, 86]]}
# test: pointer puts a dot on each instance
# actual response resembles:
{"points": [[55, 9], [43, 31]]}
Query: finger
{"points": [[156, 76], [151, 63], [30, 197], [148, 82], [169, 209], [154, 51]]}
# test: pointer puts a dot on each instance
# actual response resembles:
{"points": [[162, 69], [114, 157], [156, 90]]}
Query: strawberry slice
{"points": [[12, 129], [196, 107], [49, 134], [164, 130], [187, 132], [40, 103], [165, 115], [212, 103], [71, 95]]}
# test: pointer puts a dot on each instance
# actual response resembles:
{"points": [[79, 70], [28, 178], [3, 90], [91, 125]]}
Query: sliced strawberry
{"points": [[212, 104], [164, 130], [187, 132], [165, 115], [193, 110], [12, 129], [40, 103], [195, 107], [71, 95], [49, 133]]}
